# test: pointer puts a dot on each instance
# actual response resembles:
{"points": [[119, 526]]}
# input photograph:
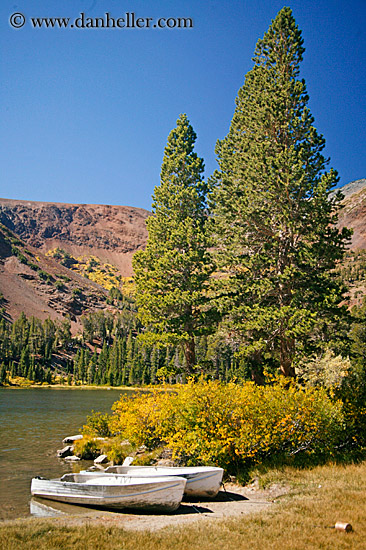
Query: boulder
{"points": [[72, 458], [71, 438], [166, 454], [101, 459], [66, 451], [165, 462]]}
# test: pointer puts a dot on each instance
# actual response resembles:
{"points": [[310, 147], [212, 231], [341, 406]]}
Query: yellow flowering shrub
{"points": [[138, 417], [231, 424]]}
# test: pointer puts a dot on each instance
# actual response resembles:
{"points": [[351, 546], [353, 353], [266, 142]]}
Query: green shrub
{"points": [[59, 285], [117, 450], [64, 278], [346, 382], [14, 240], [44, 275], [327, 371], [88, 448], [76, 293], [353, 395], [148, 458], [20, 256]]}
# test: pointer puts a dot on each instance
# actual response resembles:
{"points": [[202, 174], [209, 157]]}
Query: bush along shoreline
{"points": [[237, 426]]}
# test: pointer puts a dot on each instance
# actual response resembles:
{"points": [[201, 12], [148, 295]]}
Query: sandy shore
{"points": [[233, 500]]}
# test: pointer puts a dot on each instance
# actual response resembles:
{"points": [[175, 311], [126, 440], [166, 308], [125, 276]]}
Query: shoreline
{"points": [[281, 509], [67, 387], [231, 502]]}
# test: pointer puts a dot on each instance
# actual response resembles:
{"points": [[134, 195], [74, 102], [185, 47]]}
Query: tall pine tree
{"points": [[274, 213], [172, 273]]}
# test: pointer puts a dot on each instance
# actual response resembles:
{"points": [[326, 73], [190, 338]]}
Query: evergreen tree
{"points": [[3, 374], [81, 365], [48, 376], [24, 362], [154, 360], [131, 375], [172, 273], [35, 337], [274, 217], [88, 328], [115, 359], [31, 373], [4, 338], [103, 363], [13, 370], [358, 334], [19, 334], [39, 373], [110, 378], [64, 332], [124, 375], [91, 374]]}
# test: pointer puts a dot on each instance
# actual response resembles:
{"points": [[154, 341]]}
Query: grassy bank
{"points": [[302, 519]]}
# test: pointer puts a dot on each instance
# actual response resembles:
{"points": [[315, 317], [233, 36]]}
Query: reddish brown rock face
{"points": [[112, 233], [353, 213]]}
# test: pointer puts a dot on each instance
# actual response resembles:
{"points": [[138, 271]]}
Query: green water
{"points": [[33, 423]]}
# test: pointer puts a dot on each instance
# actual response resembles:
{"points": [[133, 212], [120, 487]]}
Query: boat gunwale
{"points": [[78, 485]]}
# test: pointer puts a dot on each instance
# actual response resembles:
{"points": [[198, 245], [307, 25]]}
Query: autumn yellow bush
{"points": [[140, 417], [232, 425]]}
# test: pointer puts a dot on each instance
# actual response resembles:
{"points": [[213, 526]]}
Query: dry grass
{"points": [[319, 497]]}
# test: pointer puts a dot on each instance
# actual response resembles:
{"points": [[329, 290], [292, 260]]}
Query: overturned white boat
{"points": [[202, 481], [155, 494]]}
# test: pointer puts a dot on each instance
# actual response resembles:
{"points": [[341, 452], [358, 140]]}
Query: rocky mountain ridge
{"points": [[353, 213], [111, 233], [37, 285]]}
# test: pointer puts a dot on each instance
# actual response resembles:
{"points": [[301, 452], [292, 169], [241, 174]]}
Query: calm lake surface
{"points": [[33, 423]]}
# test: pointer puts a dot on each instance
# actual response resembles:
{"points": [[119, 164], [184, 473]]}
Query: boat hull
{"points": [[202, 481], [119, 492]]}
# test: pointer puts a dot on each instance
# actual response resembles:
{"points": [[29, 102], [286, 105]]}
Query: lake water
{"points": [[33, 423]]}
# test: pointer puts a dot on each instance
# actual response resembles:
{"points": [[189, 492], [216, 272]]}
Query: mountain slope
{"points": [[353, 213], [32, 281], [39, 286], [111, 233]]}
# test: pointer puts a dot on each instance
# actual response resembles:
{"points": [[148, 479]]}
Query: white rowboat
{"points": [[155, 494], [202, 481]]}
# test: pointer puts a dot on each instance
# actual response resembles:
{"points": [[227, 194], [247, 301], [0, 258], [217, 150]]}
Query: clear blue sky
{"points": [[86, 113]]}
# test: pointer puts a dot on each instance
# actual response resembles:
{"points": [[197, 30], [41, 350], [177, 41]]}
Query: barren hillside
{"points": [[111, 233], [37, 285], [353, 214]]}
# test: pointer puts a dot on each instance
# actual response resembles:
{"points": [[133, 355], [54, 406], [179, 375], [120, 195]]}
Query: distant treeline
{"points": [[108, 351]]}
